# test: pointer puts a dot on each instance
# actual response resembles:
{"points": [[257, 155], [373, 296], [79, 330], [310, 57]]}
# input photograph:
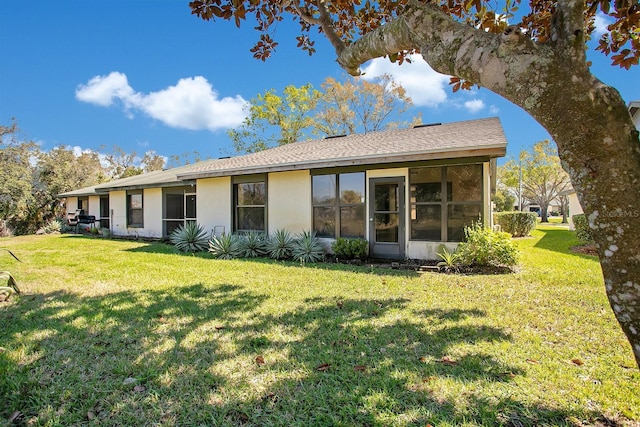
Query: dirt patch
{"points": [[589, 249]]}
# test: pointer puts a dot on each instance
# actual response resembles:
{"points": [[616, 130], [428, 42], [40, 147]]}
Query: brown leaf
{"points": [[260, 361], [360, 368], [533, 361], [90, 415], [323, 367], [219, 328], [423, 359], [139, 388], [448, 361], [577, 362], [428, 379], [339, 304]]}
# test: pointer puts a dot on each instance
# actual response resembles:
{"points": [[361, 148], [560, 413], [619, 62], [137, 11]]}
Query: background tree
{"points": [[274, 120], [359, 106], [503, 200], [543, 178], [538, 62]]}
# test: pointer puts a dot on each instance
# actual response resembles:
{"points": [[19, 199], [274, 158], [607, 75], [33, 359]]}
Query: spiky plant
{"points": [[11, 285], [280, 245], [190, 237], [450, 260], [254, 244], [307, 248], [226, 246]]}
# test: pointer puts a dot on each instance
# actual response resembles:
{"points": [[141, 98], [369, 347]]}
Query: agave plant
{"points": [[226, 246], [190, 237], [254, 244], [11, 285], [280, 245], [450, 260], [307, 248]]}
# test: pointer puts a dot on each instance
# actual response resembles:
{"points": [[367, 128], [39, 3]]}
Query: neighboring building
{"points": [[406, 191], [634, 110]]}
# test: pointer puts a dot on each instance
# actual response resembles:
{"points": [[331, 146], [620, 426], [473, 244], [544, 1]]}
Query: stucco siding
{"points": [[213, 203], [94, 207], [118, 204], [152, 211], [574, 209], [71, 205], [289, 201]]}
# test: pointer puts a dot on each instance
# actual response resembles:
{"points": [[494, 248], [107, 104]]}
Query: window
{"points": [[134, 209], [444, 200], [338, 205], [249, 206], [104, 211], [83, 205], [179, 207]]}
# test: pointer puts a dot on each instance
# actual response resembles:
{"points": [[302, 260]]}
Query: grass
{"points": [[128, 333]]}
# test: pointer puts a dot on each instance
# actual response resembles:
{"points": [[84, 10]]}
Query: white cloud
{"points": [[191, 104], [474, 106], [601, 23], [425, 86]]}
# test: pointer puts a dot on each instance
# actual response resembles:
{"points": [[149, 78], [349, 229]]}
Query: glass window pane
{"points": [[426, 222], [460, 216], [191, 206], [386, 197], [135, 217], [352, 221], [171, 226], [426, 184], [104, 207], [352, 188], [251, 218], [464, 183], [251, 193], [135, 201], [324, 221], [386, 227], [324, 189], [174, 206]]}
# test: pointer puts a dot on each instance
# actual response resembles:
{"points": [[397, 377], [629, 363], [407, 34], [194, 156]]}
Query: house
{"points": [[406, 191]]}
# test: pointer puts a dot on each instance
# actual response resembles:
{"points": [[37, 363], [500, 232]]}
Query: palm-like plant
{"points": [[190, 237], [254, 244], [11, 285], [280, 245], [450, 260], [307, 248], [226, 246]]}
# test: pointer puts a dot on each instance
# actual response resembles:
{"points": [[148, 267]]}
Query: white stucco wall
{"points": [[94, 207], [213, 203], [71, 205], [574, 209], [152, 211], [118, 205], [289, 201]]}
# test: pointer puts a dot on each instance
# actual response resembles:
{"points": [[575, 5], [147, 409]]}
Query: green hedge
{"points": [[518, 224], [583, 232]]}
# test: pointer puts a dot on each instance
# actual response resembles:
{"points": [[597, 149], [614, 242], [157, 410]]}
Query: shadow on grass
{"points": [[213, 355], [560, 241]]}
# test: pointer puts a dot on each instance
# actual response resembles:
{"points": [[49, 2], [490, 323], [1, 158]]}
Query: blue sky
{"points": [[147, 75]]}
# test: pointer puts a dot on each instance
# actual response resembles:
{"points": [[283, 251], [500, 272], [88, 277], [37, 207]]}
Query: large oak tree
{"points": [[538, 63]]}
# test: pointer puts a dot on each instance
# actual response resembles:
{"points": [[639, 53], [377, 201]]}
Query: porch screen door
{"points": [[386, 217]]}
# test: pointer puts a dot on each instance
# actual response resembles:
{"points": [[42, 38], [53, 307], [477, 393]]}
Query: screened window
{"points": [[250, 206], [83, 205], [104, 211], [179, 207], [338, 205], [444, 200], [135, 210]]}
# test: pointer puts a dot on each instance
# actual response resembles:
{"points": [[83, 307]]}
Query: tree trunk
{"points": [[597, 142]]}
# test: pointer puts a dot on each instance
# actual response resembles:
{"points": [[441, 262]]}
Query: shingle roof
{"points": [[484, 137], [474, 138]]}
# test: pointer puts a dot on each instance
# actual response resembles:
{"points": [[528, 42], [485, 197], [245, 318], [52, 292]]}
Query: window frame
{"points": [[446, 201], [337, 205], [184, 193], [130, 223], [249, 179]]}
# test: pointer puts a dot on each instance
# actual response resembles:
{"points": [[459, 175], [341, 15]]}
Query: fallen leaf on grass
{"points": [[90, 416], [219, 328], [448, 361], [323, 367], [139, 388], [339, 304], [423, 359], [360, 368], [533, 361], [577, 362], [260, 361], [428, 379]]}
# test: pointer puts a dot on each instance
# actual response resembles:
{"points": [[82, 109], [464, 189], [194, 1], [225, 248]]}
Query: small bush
{"points": [[518, 224], [53, 226], [280, 245], [253, 244], [484, 247], [583, 232], [190, 237], [227, 246], [307, 248], [345, 248], [450, 260]]}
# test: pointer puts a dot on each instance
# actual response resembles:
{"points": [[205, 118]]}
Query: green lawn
{"points": [[131, 333]]}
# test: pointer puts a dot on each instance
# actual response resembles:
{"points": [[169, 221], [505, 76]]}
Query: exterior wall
{"points": [[118, 205], [152, 211], [94, 206], [574, 209], [71, 205], [213, 203], [289, 201]]}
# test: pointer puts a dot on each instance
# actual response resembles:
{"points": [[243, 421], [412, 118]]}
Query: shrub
{"points": [[450, 260], [484, 247], [518, 224], [226, 246], [583, 231], [53, 226], [307, 248], [345, 248], [253, 244], [190, 237], [280, 245]]}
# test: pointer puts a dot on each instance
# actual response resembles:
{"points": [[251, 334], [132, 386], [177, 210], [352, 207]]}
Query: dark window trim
{"points": [[337, 204], [129, 209], [249, 179]]}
